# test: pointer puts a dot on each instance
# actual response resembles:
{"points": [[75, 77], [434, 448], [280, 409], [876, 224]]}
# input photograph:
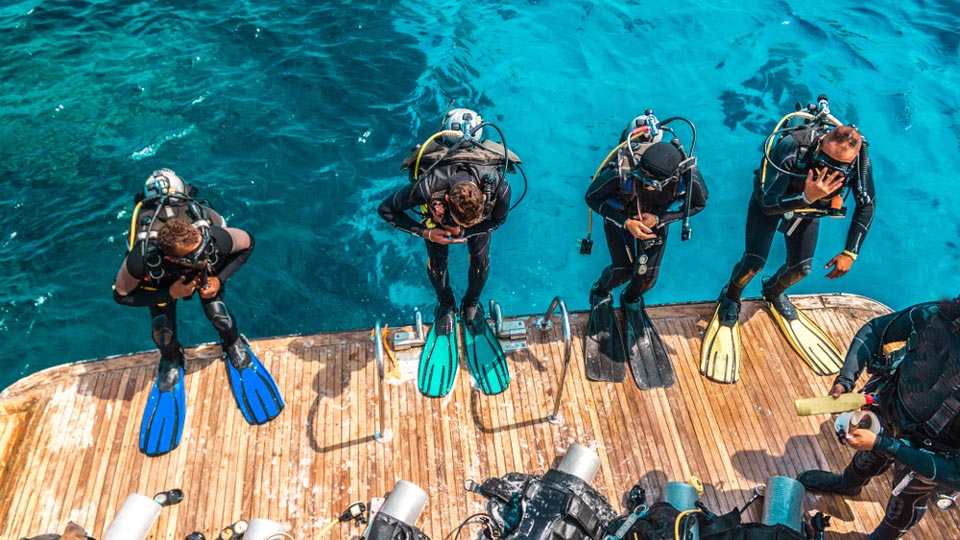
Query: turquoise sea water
{"points": [[292, 119]]}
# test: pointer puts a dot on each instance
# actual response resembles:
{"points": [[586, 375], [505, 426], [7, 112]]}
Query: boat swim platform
{"points": [[69, 434]]}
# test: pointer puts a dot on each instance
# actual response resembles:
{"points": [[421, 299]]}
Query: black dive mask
{"points": [[201, 257], [820, 159], [652, 180]]}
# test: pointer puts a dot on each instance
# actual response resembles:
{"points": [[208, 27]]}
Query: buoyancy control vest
{"points": [[555, 506], [486, 162], [921, 398]]}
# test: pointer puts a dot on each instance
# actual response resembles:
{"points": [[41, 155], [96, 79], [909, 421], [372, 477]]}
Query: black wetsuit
{"points": [[394, 211], [769, 208], [632, 259], [920, 434], [145, 280]]}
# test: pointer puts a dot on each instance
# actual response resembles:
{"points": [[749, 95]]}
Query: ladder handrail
{"points": [[544, 324]]}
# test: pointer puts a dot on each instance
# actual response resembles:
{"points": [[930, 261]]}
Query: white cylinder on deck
{"points": [[405, 502], [134, 519], [263, 529], [581, 462]]}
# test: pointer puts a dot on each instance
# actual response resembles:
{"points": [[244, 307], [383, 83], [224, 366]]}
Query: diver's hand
{"points": [[861, 439], [836, 391], [841, 264], [441, 237], [182, 288], [212, 288], [642, 228], [820, 183]]}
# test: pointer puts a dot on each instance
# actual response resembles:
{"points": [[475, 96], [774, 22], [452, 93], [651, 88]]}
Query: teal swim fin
{"points": [[165, 412], [649, 362], [254, 390], [603, 354], [485, 357], [438, 361]]}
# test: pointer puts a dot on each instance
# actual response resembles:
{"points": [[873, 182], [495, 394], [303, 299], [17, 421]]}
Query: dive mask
{"points": [[657, 183], [822, 160]]}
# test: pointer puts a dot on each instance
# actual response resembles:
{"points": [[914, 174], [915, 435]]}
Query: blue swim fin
{"points": [[257, 395], [438, 361], [485, 357], [165, 412]]}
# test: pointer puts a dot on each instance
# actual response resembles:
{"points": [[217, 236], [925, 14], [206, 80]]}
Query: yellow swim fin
{"points": [[721, 349], [805, 337]]}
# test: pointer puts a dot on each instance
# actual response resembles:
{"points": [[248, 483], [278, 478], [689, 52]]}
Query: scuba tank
{"points": [[397, 518]]}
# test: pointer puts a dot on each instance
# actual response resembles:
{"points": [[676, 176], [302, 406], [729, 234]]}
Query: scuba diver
{"points": [[649, 184], [804, 176], [179, 247], [459, 193], [918, 395]]}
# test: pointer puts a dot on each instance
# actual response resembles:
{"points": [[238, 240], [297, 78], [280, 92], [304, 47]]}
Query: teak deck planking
{"points": [[68, 435]]}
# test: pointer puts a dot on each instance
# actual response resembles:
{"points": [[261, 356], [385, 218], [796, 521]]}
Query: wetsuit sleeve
{"points": [[235, 247], [865, 197], [498, 215], [892, 328], [775, 197], [942, 470], [130, 289], [698, 200], [393, 210], [600, 198]]}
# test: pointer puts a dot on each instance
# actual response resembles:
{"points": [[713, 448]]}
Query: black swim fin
{"points": [[649, 361], [166, 410], [603, 354]]}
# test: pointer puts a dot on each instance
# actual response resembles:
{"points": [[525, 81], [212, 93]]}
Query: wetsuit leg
{"points": [[479, 247], [623, 252], [437, 256], [164, 325], [905, 509], [645, 274], [801, 243], [759, 236], [222, 319]]}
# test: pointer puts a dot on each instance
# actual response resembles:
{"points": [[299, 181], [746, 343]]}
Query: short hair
{"points": [[176, 235], [844, 136], [466, 203]]}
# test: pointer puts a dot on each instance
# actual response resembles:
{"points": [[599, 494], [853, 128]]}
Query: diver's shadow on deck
{"points": [[315, 424]]}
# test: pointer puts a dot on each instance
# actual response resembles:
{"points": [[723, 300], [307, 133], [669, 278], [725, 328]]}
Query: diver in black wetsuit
{"points": [[636, 212], [918, 388], [809, 178], [458, 185], [186, 248]]}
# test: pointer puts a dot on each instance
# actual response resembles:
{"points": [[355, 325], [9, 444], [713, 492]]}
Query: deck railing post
{"points": [[544, 325], [379, 436]]}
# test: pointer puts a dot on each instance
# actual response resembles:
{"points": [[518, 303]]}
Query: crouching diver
{"points": [[459, 194], [918, 389], [177, 247], [804, 175], [642, 186]]}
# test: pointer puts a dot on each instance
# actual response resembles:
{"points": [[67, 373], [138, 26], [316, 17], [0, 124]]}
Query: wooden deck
{"points": [[68, 435]]}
